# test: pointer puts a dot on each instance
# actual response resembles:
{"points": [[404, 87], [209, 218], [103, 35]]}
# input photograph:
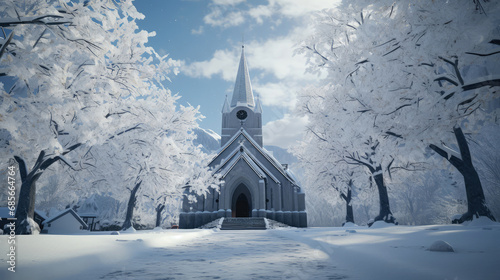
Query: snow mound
{"points": [[272, 224], [215, 224], [381, 224], [456, 217], [349, 224], [32, 226], [158, 229], [130, 230], [481, 221], [441, 246], [115, 233]]}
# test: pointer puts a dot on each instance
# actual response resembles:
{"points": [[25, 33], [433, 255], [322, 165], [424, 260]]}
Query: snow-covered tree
{"points": [[155, 159], [400, 76], [330, 174], [73, 74], [431, 196], [338, 143]]}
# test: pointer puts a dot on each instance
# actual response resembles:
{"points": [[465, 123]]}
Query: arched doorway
{"points": [[242, 207], [241, 202]]}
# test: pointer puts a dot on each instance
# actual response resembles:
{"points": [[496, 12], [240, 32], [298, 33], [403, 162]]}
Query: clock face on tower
{"points": [[241, 114]]}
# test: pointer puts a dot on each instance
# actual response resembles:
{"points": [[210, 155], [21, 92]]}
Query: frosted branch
{"points": [[455, 67], [491, 83]]}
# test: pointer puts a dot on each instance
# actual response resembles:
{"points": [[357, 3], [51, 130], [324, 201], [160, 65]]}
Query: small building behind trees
{"points": [[66, 222]]}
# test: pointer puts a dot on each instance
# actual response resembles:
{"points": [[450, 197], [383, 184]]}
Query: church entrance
{"points": [[241, 202], [242, 209]]}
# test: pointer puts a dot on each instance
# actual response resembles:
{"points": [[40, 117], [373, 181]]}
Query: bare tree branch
{"points": [[491, 83], [455, 67]]}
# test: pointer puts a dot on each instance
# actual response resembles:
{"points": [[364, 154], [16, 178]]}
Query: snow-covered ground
{"points": [[380, 252]]}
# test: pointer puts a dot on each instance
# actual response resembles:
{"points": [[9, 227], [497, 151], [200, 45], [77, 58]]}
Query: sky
{"points": [[205, 37]]}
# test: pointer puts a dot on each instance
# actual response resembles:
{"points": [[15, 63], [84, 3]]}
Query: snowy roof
{"points": [[242, 94], [261, 150], [242, 153], [4, 213], [235, 160], [66, 212], [40, 213], [88, 215]]}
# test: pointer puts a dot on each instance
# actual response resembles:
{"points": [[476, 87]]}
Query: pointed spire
{"points": [[242, 94], [226, 108], [258, 105]]}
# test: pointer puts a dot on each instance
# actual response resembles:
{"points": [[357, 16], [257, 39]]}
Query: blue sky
{"points": [[205, 36]]}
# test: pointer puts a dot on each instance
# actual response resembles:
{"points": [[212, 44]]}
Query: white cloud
{"points": [[259, 12], [227, 2], [219, 17], [276, 94], [276, 57], [228, 13], [294, 8], [284, 132], [197, 31], [223, 62]]}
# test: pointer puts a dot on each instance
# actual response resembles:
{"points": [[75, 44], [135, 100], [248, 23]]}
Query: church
{"points": [[253, 183]]}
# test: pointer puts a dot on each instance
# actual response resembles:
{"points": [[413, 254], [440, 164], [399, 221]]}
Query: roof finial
{"points": [[226, 107]]}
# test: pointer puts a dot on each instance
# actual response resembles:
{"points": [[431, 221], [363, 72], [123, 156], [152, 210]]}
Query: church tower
{"points": [[243, 112], [252, 182]]}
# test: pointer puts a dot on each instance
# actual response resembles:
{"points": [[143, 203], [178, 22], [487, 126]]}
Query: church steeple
{"points": [[244, 112], [242, 94]]}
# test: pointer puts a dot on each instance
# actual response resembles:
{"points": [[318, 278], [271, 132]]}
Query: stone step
{"points": [[243, 224]]}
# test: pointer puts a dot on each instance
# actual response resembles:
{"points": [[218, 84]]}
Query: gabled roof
{"points": [[68, 211], [5, 213], [242, 153], [234, 160], [261, 150], [39, 213], [242, 94]]}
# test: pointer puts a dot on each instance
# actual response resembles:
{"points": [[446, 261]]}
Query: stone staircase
{"points": [[243, 224]]}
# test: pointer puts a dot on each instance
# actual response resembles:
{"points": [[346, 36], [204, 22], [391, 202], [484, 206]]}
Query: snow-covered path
{"points": [[196, 254], [230, 255], [396, 252]]}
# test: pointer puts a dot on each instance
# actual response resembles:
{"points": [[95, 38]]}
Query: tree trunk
{"points": [[130, 207], [26, 207], [349, 218], [474, 190], [385, 213], [159, 208], [25, 210]]}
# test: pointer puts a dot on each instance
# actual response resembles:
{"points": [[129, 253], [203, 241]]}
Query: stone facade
{"points": [[253, 182]]}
